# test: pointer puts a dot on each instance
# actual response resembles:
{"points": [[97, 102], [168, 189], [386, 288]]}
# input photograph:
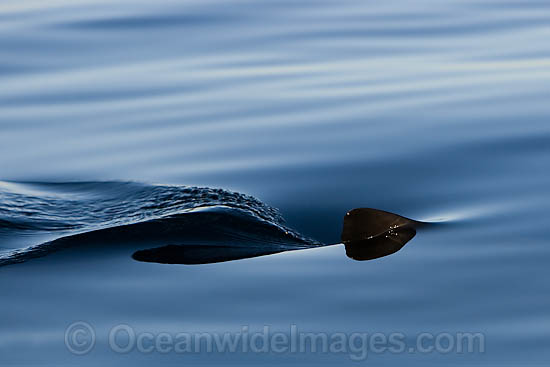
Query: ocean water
{"points": [[264, 123]]}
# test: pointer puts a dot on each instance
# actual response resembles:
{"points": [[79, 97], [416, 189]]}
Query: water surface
{"points": [[437, 111]]}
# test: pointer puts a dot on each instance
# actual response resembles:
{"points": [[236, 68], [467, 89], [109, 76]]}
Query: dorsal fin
{"points": [[365, 223], [371, 233]]}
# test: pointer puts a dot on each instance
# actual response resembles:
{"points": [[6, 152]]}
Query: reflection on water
{"points": [[436, 110], [380, 246]]}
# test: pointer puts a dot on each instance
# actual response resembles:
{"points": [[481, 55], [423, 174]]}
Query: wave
{"points": [[109, 213]]}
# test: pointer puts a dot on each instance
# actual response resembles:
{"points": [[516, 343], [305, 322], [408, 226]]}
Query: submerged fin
{"points": [[199, 254]]}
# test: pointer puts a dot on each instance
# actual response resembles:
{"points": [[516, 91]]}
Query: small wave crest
{"points": [[73, 213]]}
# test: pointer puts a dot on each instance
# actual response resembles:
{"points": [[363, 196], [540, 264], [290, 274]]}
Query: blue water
{"points": [[437, 111]]}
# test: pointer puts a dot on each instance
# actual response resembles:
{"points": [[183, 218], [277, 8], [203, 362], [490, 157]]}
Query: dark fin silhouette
{"points": [[370, 233]]}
